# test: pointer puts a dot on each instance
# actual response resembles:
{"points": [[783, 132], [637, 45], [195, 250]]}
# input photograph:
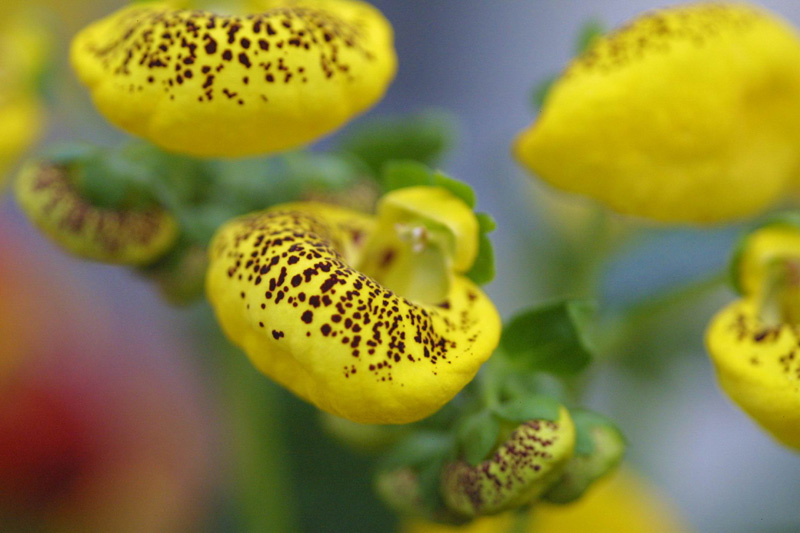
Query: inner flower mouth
{"points": [[779, 301]]}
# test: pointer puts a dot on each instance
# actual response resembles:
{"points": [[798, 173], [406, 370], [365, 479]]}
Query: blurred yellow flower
{"points": [[623, 503], [288, 287], [205, 84], [687, 114], [758, 366], [23, 50]]}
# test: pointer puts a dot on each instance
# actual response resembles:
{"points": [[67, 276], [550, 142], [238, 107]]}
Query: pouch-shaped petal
{"points": [[687, 114], [204, 84], [522, 469], [53, 204], [284, 288], [759, 368]]}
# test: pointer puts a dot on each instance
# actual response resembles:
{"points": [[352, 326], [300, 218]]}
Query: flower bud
{"points": [[523, 468], [47, 195], [608, 448]]}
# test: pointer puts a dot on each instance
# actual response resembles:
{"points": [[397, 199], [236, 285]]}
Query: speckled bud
{"points": [[133, 237], [681, 105], [520, 471], [285, 287], [583, 470], [758, 366], [204, 84]]}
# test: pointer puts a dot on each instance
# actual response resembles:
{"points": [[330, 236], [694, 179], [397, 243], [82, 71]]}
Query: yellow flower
{"points": [[758, 366], [205, 84], [622, 504], [49, 198], [22, 54], [688, 114], [523, 468], [288, 287]]}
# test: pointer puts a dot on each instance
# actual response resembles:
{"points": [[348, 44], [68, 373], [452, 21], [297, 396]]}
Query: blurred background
{"points": [[126, 405]]}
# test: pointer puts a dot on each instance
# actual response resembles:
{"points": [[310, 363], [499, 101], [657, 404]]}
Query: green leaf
{"points": [[591, 30], [540, 91], [477, 436], [482, 271], [529, 408], [550, 338], [458, 188], [585, 421], [400, 174], [421, 447], [422, 137]]}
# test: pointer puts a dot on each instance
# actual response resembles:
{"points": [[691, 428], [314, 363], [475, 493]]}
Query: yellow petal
{"points": [[688, 114], [760, 251], [759, 368], [524, 467], [53, 204], [284, 289], [214, 85]]}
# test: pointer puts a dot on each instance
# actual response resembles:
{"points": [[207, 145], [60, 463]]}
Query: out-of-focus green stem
{"points": [[264, 498]]}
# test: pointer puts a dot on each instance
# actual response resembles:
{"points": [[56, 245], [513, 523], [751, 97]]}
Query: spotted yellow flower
{"points": [[289, 286], [52, 202], [758, 366], [22, 54], [687, 114], [207, 84], [524, 467], [622, 504]]}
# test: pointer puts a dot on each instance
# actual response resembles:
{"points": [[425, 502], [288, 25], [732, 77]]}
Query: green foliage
{"points": [[589, 32], [585, 421], [423, 137], [550, 338], [477, 436], [529, 408]]}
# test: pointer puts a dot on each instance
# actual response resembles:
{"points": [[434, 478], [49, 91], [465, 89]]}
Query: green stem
{"points": [[263, 491], [613, 334]]}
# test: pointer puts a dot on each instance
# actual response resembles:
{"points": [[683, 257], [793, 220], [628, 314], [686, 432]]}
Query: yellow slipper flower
{"points": [[212, 85], [687, 114], [288, 287], [50, 200], [758, 366]]}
